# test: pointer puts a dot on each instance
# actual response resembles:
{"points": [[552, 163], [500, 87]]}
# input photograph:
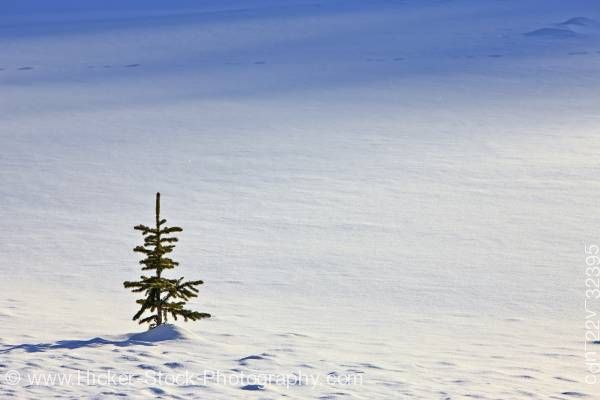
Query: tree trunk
{"points": [[159, 311], [158, 271]]}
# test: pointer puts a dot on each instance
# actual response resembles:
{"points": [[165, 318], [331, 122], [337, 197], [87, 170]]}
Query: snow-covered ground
{"points": [[394, 193]]}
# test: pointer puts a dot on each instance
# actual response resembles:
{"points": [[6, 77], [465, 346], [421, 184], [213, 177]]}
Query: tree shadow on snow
{"points": [[165, 332], [73, 344]]}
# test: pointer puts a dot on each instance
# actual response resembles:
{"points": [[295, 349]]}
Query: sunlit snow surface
{"points": [[400, 190]]}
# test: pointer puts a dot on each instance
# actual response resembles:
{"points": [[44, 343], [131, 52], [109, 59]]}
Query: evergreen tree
{"points": [[163, 296]]}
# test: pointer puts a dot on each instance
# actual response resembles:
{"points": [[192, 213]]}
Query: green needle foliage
{"points": [[162, 296]]}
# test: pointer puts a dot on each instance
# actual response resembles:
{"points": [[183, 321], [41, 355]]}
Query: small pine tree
{"points": [[163, 296]]}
